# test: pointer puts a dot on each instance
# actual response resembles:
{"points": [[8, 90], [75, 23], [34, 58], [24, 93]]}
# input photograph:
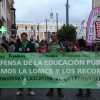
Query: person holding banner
{"points": [[82, 45], [2, 50], [25, 46], [55, 46]]}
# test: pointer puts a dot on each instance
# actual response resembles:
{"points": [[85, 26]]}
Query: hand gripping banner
{"points": [[90, 25]]}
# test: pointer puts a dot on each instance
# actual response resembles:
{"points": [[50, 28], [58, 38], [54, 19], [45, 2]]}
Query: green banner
{"points": [[50, 70]]}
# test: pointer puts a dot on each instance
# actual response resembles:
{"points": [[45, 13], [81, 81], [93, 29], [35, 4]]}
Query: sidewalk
{"points": [[69, 94]]}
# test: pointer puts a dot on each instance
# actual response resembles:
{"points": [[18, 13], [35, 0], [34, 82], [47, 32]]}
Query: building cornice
{"points": [[43, 23]]}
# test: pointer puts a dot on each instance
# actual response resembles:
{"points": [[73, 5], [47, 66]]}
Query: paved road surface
{"points": [[69, 94]]}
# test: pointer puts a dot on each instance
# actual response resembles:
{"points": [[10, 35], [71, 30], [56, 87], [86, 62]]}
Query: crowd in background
{"points": [[10, 46]]}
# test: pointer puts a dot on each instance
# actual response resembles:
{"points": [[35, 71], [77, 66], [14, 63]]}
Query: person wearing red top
{"points": [[75, 48], [42, 47]]}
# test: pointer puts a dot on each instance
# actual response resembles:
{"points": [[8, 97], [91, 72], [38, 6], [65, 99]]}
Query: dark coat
{"points": [[29, 48]]}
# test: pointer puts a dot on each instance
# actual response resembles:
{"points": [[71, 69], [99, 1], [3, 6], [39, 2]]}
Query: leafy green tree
{"points": [[67, 33]]}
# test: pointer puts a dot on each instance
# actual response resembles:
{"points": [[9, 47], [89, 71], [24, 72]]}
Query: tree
{"points": [[67, 33]]}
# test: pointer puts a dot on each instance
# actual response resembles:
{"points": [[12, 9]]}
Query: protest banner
{"points": [[50, 70]]}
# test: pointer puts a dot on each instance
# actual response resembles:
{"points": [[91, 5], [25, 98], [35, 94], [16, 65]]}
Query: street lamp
{"points": [[57, 20], [67, 13], [46, 30], [13, 22], [38, 38]]}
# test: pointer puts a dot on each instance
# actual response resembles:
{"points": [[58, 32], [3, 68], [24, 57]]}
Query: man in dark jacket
{"points": [[25, 46]]}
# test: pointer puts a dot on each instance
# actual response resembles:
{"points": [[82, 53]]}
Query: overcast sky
{"points": [[37, 10]]}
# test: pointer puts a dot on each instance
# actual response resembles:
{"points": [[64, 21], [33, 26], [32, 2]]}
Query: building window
{"points": [[25, 27], [37, 27], [31, 27], [53, 27]]}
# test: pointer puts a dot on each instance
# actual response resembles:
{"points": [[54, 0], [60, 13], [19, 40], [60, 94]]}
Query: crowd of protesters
{"points": [[10, 46], [23, 45], [75, 47]]}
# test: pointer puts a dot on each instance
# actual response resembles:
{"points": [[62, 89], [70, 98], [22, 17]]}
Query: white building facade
{"points": [[46, 27], [23, 26], [3, 15], [7, 10]]}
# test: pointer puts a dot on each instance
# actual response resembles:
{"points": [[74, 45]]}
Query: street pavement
{"points": [[69, 94]]}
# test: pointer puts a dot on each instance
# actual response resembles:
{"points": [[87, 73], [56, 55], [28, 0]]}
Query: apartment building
{"points": [[7, 10]]}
